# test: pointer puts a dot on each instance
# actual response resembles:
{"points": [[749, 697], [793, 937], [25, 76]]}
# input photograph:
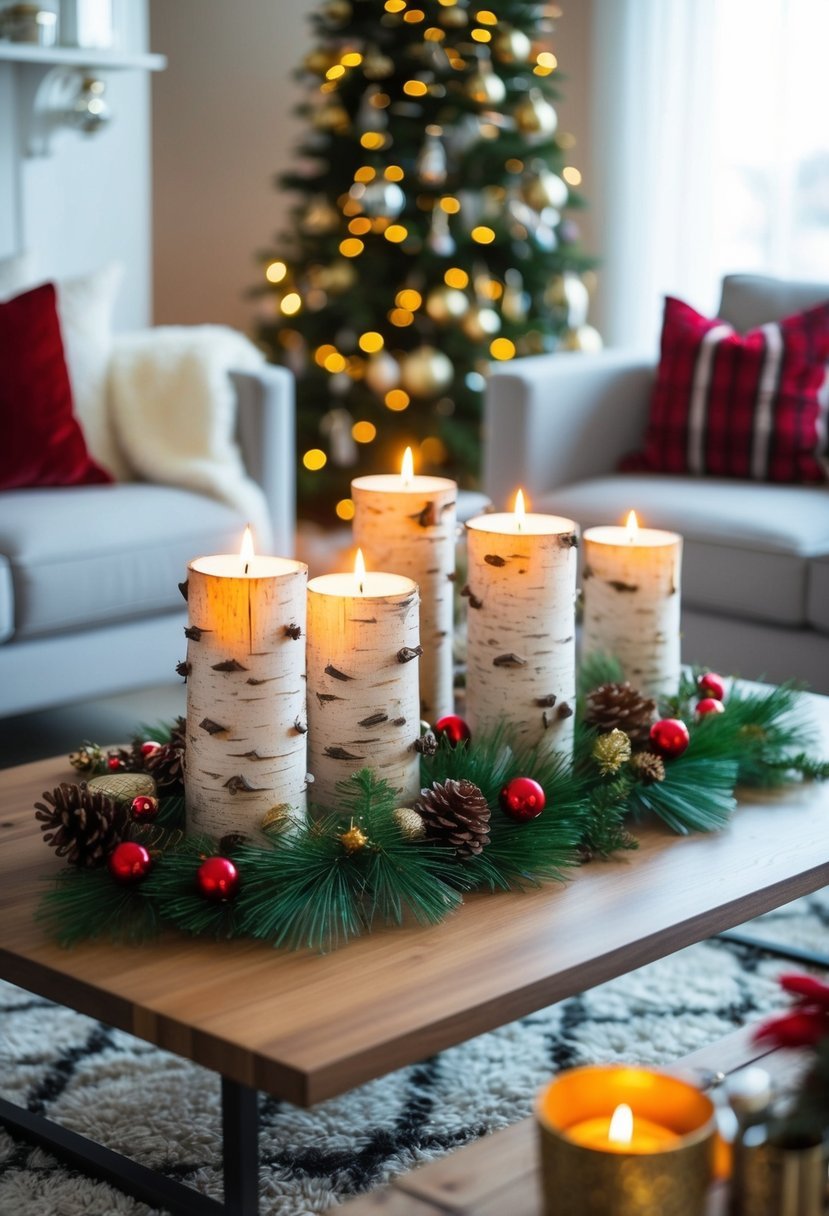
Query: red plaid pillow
{"points": [[739, 405]]}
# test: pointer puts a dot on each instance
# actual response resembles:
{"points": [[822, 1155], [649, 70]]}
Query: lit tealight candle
{"points": [[631, 580], [363, 706], [622, 1133], [245, 691], [521, 657], [406, 523]]}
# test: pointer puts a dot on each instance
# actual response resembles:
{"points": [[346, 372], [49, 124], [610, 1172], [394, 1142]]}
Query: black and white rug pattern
{"points": [[164, 1111]]}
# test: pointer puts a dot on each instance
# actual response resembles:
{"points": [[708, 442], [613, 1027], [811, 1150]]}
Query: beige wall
{"points": [[223, 127]]}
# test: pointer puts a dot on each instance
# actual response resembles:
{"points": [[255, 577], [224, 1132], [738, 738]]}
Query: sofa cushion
{"points": [[91, 555], [747, 547], [749, 300], [817, 602], [731, 405]]}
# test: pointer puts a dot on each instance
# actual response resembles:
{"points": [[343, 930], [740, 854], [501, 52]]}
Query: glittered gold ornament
{"points": [[611, 751], [410, 823], [354, 839], [123, 787], [649, 767], [382, 373], [585, 338], [534, 116], [511, 46], [486, 87], [276, 818], [480, 323], [320, 217], [425, 372], [445, 304], [542, 188]]}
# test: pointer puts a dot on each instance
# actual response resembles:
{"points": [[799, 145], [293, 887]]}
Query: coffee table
{"points": [[304, 1027]]}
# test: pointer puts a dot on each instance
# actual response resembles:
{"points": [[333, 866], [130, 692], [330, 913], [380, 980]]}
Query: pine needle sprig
{"points": [[171, 884], [85, 905], [605, 832], [697, 794], [597, 669]]}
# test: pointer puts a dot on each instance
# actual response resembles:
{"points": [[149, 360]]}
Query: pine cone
{"points": [[621, 707], [648, 767], [80, 824], [455, 813], [166, 766]]}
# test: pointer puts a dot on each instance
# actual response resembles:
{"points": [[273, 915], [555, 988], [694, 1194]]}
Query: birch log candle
{"points": [[246, 719], [521, 652], [631, 579], [363, 703], [407, 524]]}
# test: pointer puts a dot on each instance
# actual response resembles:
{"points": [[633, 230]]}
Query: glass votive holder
{"points": [[661, 1162]]}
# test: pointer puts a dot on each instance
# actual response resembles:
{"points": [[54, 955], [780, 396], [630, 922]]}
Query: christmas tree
{"points": [[428, 237]]}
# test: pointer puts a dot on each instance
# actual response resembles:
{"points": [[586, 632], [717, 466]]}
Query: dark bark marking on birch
{"points": [[365, 620], [618, 585], [255, 681], [293, 631], [184, 588], [183, 669], [568, 540], [212, 728], [546, 702], [339, 753], [325, 697], [452, 576], [399, 722], [251, 755], [406, 653], [215, 776], [335, 673], [373, 720], [194, 634], [564, 711], [469, 594], [228, 665], [492, 559], [509, 660], [238, 785], [301, 728]]}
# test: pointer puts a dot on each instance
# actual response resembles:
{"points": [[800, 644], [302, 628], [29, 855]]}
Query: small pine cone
{"points": [[648, 767], [166, 766], [621, 707], [80, 824], [455, 813]]}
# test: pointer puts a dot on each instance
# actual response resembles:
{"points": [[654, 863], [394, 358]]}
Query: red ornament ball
{"points": [[453, 728], [217, 878], [709, 705], [670, 737], [149, 746], [144, 808], [522, 799], [129, 862], [115, 764], [711, 685]]}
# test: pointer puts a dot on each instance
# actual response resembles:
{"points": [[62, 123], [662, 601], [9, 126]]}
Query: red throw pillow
{"points": [[42, 443], [739, 405]]}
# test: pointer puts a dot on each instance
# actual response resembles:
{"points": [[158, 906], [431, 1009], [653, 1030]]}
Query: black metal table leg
{"points": [[810, 957], [240, 1148]]}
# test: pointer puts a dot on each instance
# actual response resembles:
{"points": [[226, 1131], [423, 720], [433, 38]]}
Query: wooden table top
{"points": [[305, 1027]]}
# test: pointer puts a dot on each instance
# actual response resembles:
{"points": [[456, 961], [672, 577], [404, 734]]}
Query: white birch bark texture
{"points": [[521, 653], [411, 530], [246, 692], [632, 604], [363, 703]]}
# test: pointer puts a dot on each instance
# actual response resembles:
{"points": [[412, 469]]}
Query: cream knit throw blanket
{"points": [[174, 414]]}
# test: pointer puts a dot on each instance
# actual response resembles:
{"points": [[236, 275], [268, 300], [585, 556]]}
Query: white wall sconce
{"points": [[67, 97]]}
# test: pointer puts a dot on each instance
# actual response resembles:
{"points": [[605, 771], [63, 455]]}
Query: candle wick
{"points": [[247, 567]]}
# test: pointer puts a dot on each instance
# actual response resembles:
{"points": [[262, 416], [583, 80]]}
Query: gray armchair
{"points": [[755, 590]]}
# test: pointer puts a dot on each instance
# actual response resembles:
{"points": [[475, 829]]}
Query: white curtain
{"points": [[710, 151]]}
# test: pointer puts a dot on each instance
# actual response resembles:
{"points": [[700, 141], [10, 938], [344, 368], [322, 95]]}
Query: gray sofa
{"points": [[755, 583], [89, 603]]}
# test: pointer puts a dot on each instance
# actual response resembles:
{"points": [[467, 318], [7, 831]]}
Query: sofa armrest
{"points": [[266, 430], [554, 419]]}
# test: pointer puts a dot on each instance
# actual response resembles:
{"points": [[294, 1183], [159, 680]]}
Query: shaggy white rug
{"points": [[164, 1111]]}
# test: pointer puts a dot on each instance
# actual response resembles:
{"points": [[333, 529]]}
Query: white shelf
{"points": [[82, 57]]}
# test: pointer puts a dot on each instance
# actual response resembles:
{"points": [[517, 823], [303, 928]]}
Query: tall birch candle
{"points": [[631, 602], [363, 703], [406, 524], [521, 655], [246, 720]]}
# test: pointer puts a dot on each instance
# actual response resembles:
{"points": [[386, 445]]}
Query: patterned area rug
{"points": [[165, 1112]]}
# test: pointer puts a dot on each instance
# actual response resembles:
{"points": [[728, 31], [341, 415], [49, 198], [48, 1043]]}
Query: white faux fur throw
{"points": [[173, 407]]}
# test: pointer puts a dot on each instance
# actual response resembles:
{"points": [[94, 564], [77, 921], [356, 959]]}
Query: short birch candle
{"points": [[363, 702], [631, 579], [406, 524], [521, 651], [246, 721]]}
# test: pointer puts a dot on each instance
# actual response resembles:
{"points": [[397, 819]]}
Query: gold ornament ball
{"points": [[276, 818], [123, 787], [354, 839], [331, 117], [425, 372], [382, 373], [454, 17], [320, 218], [585, 338], [337, 11], [534, 116], [444, 304], [544, 189], [319, 62], [481, 323], [512, 46], [486, 87], [410, 823], [339, 276]]}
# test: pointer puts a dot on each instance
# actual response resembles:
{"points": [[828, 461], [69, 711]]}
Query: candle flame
{"points": [[520, 512], [359, 571], [632, 525], [246, 550], [621, 1125], [407, 467]]}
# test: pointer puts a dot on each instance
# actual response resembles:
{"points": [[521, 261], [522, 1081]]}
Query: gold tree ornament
{"points": [[277, 818], [431, 160], [425, 372], [511, 46], [585, 338], [480, 323], [611, 751], [445, 304], [541, 188], [320, 217], [410, 823], [485, 86], [535, 117], [354, 839]]}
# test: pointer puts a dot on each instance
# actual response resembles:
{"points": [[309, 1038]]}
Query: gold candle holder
{"points": [[665, 1166]]}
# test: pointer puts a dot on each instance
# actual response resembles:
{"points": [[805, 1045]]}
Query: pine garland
{"points": [[359, 866]]}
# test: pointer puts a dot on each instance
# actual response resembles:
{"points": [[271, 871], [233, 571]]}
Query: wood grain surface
{"points": [[306, 1027]]}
